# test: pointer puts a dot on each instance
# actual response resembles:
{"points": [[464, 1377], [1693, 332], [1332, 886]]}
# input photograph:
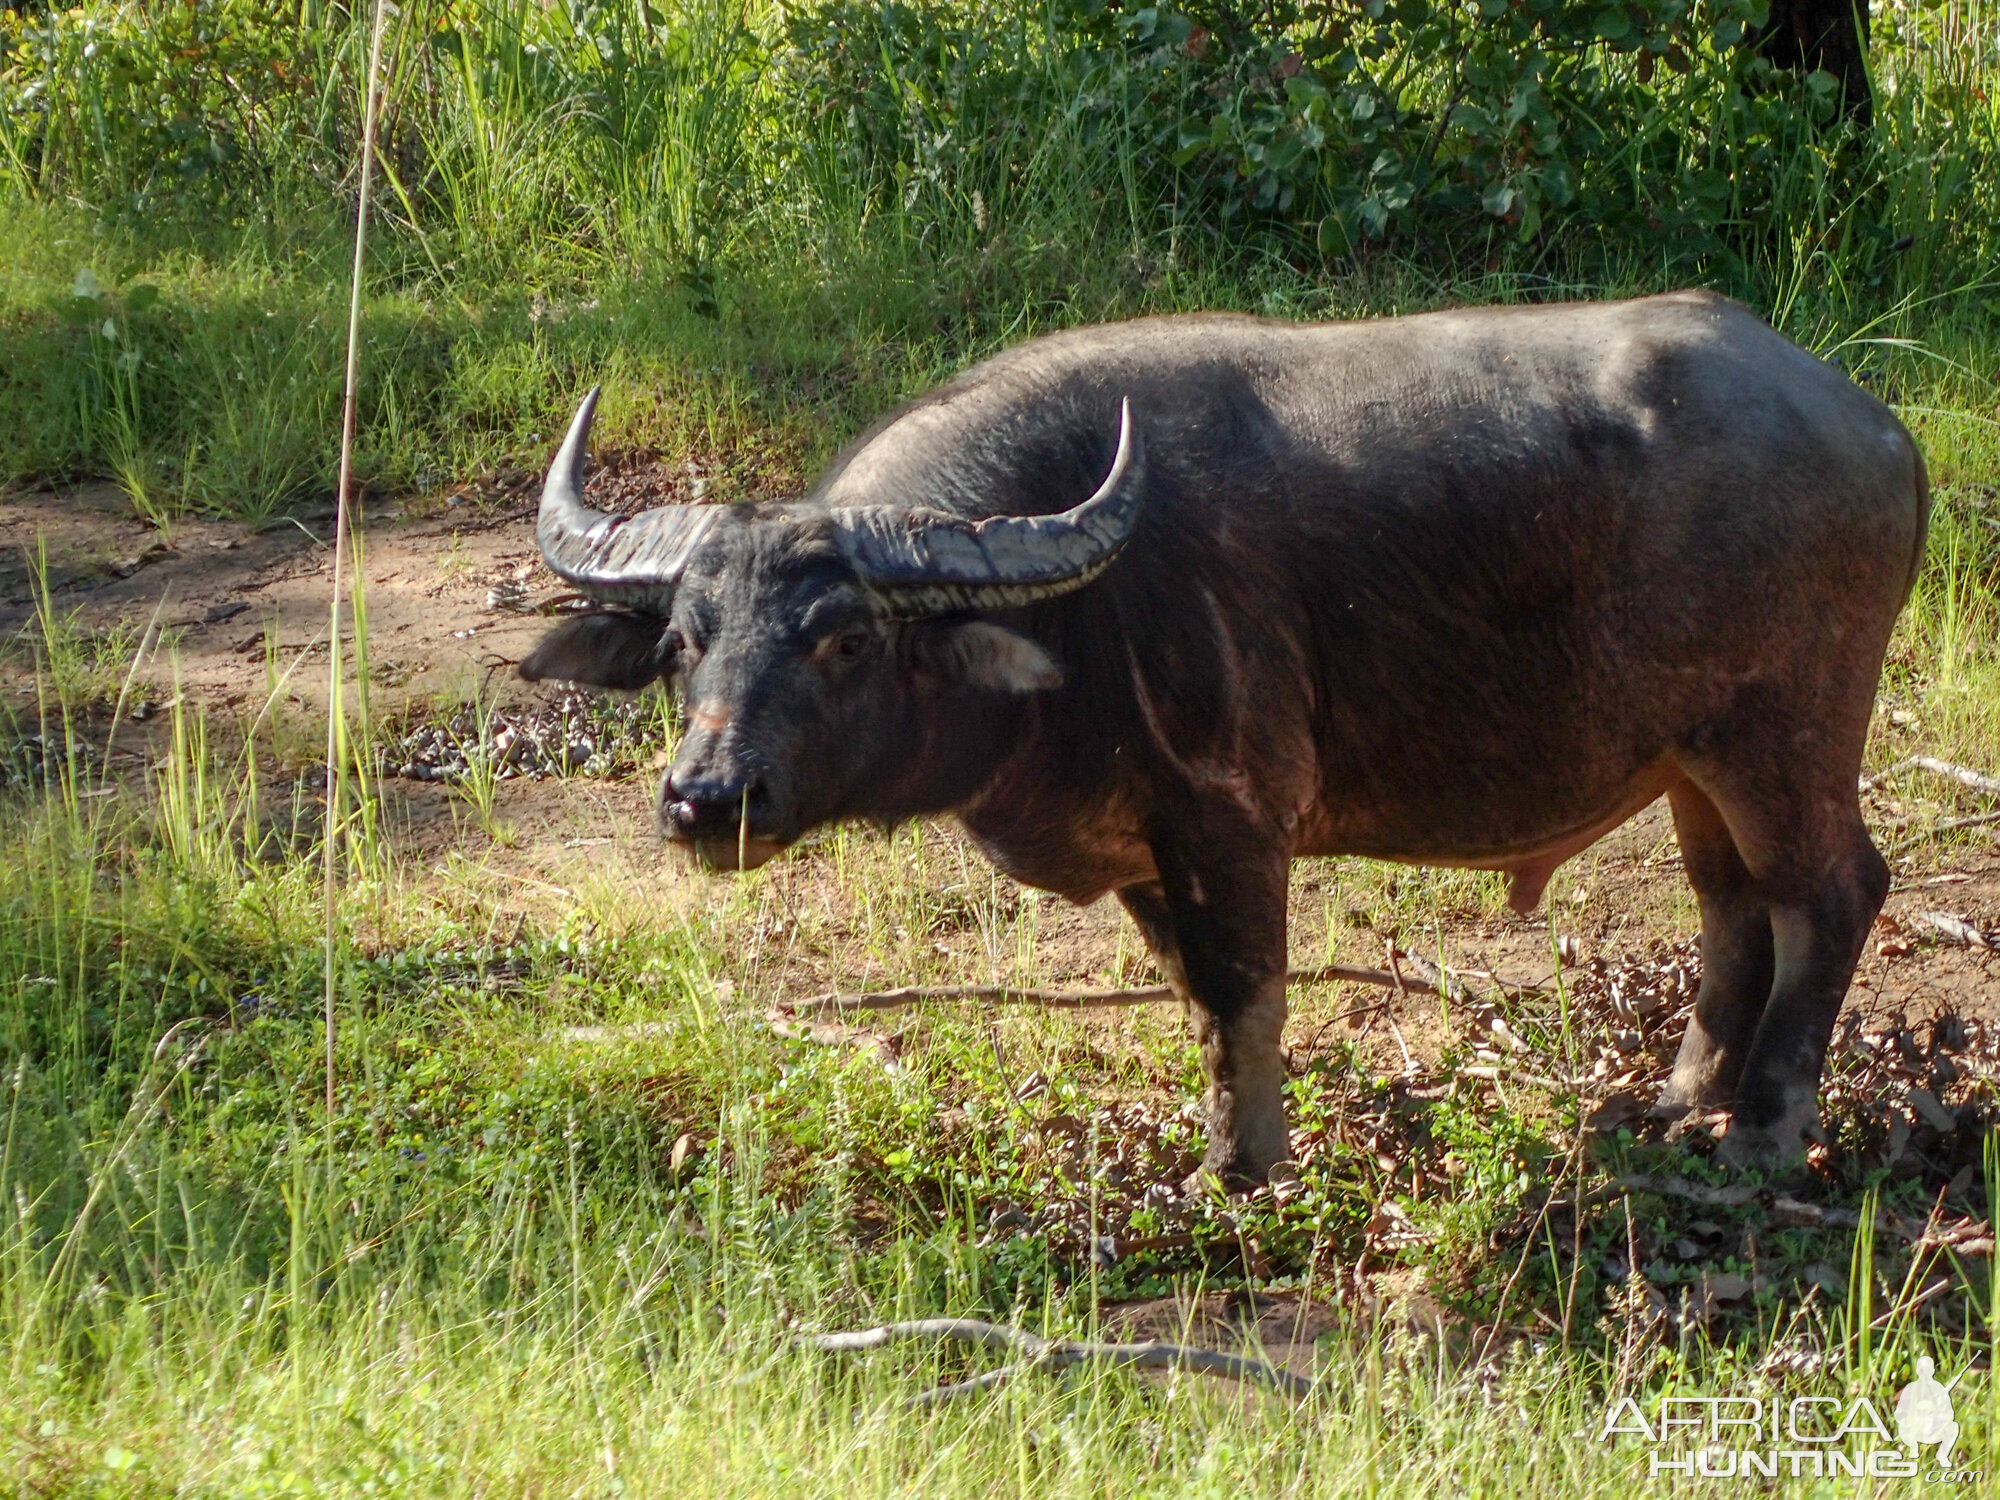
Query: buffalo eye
{"points": [[844, 646]]}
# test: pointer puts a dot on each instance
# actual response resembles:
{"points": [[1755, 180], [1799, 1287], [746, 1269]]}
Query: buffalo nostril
{"points": [[696, 805], [711, 803]]}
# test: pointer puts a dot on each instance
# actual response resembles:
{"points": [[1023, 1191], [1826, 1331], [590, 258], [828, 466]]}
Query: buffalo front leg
{"points": [[1218, 930]]}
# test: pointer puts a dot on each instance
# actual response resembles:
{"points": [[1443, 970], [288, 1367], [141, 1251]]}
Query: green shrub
{"points": [[570, 135], [874, 190], [170, 108]]}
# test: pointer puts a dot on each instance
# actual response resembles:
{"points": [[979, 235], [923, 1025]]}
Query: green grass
{"points": [[515, 1262], [759, 237]]}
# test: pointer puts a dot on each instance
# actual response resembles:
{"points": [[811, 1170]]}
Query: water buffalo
{"points": [[1469, 588]]}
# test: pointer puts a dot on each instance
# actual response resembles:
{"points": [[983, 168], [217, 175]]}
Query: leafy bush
{"points": [[156, 107], [1643, 119], [619, 124], [1383, 113], [876, 175]]}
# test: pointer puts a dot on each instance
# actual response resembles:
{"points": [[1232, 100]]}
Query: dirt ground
{"points": [[247, 610]]}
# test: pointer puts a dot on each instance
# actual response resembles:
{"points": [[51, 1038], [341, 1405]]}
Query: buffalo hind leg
{"points": [[1736, 965], [1824, 881], [1218, 931], [1817, 937]]}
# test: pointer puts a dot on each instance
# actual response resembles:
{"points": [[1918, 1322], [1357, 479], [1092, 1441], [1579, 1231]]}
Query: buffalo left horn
{"points": [[927, 562], [632, 561]]}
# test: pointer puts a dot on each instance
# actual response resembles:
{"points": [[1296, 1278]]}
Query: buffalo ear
{"points": [[983, 655], [610, 649]]}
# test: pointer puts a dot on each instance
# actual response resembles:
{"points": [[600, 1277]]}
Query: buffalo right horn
{"points": [[922, 562], [630, 561]]}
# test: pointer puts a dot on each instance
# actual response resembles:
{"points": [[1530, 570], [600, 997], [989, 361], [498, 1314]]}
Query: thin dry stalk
{"points": [[335, 760], [1008, 994], [1388, 1014], [1570, 1165], [1039, 1353]]}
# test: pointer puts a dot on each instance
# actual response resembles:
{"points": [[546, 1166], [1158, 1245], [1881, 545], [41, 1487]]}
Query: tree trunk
{"points": [[1832, 34]]}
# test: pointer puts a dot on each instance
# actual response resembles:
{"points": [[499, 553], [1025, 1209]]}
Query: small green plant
{"points": [[273, 389], [110, 398], [477, 782], [79, 666]]}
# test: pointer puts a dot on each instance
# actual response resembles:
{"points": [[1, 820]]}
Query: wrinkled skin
{"points": [[1464, 589]]}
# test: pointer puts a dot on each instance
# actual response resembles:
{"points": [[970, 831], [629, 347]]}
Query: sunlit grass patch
{"points": [[577, 1200]]}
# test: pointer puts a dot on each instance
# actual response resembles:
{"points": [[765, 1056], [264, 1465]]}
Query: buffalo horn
{"points": [[927, 562], [632, 561]]}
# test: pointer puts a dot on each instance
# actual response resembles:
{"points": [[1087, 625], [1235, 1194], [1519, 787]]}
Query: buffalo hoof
{"points": [[1234, 1182], [1242, 1165], [1773, 1149], [1680, 1096]]}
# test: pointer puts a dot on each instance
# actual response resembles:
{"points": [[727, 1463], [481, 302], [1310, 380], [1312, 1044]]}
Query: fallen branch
{"points": [[1054, 1354], [1955, 929], [1733, 1196], [1965, 776], [1976, 820], [1517, 1075], [1011, 994], [1410, 1068], [1439, 977], [886, 1049], [981, 994]]}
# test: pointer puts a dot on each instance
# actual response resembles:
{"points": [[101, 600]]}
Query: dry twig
{"points": [[1955, 929], [1965, 776], [1054, 1354], [1396, 978], [1947, 825], [1517, 1075], [1011, 994]]}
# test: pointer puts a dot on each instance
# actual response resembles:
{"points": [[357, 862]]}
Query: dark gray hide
{"points": [[1466, 589]]}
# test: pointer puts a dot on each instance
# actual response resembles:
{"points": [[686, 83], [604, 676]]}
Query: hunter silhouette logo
{"points": [[1924, 1414], [1748, 1438]]}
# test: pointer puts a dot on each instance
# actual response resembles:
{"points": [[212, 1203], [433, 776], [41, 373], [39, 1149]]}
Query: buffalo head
{"points": [[823, 652]]}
